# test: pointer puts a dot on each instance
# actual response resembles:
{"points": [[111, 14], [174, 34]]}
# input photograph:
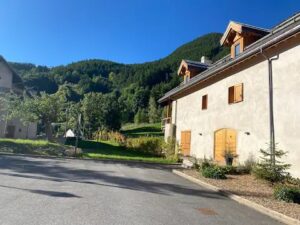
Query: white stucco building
{"points": [[243, 101], [11, 82]]}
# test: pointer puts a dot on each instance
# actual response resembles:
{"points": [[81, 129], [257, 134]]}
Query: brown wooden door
{"points": [[225, 140], [186, 142], [10, 132]]}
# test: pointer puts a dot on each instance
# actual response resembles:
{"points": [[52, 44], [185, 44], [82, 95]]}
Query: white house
{"points": [[11, 82], [243, 101]]}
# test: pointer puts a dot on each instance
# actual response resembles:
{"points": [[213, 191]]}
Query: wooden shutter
{"points": [[220, 142], [186, 142], [231, 95], [238, 93], [204, 102]]}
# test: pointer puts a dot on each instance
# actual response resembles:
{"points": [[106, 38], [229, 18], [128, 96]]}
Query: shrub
{"points": [[250, 163], [287, 193], [243, 169], [149, 145], [206, 163], [270, 169], [214, 172], [109, 136], [169, 149]]}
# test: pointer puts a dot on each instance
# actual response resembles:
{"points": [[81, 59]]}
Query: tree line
{"points": [[105, 93]]}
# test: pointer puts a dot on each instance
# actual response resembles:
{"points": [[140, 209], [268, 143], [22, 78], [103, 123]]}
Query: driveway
{"points": [[43, 191]]}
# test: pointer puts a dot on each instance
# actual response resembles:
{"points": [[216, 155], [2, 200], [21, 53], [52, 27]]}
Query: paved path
{"points": [[37, 191]]}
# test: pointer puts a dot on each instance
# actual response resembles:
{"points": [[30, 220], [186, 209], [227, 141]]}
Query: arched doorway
{"points": [[225, 140]]}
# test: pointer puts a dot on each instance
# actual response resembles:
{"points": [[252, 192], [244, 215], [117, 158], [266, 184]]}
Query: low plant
{"points": [[206, 163], [250, 163], [105, 135], [287, 193], [230, 170], [149, 145], [270, 168], [214, 172], [229, 156], [169, 149]]}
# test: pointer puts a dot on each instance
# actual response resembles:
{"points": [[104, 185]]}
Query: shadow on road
{"points": [[56, 171], [42, 192]]}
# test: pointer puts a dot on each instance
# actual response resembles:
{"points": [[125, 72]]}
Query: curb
{"points": [[269, 212], [89, 159]]}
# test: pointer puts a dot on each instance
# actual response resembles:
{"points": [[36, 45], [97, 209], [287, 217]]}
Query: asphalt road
{"points": [[38, 191]]}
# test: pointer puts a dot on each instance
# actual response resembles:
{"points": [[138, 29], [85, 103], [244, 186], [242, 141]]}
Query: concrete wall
{"points": [[251, 115], [5, 76], [21, 131]]}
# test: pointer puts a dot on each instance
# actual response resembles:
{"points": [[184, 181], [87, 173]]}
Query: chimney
{"points": [[205, 60]]}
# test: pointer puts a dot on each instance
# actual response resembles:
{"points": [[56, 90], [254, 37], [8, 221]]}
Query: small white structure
{"points": [[69, 134], [243, 101]]}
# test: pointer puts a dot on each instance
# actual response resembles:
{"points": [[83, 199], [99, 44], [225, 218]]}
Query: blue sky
{"points": [[56, 32]]}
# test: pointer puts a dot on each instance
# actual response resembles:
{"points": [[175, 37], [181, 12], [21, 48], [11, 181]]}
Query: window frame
{"points": [[232, 94], [235, 49], [204, 104]]}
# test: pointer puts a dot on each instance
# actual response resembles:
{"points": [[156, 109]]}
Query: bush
{"points": [[109, 136], [169, 149], [250, 163], [287, 193], [206, 163], [214, 172], [149, 145], [236, 170]]}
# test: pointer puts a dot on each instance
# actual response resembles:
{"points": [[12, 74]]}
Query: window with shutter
{"points": [[238, 93], [231, 95], [235, 94]]}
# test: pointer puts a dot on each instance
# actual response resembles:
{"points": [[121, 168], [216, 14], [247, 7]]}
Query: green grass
{"points": [[111, 150], [142, 130], [36, 147]]}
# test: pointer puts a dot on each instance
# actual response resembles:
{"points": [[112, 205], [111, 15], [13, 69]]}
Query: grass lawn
{"points": [[138, 130], [111, 150], [91, 149], [36, 147]]}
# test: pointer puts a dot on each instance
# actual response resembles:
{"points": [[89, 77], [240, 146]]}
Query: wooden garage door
{"points": [[225, 140], [185, 142]]}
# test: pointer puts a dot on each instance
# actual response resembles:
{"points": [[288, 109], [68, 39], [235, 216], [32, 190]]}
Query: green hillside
{"points": [[132, 84]]}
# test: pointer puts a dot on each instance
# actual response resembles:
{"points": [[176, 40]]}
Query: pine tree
{"points": [[153, 112], [270, 168], [140, 116]]}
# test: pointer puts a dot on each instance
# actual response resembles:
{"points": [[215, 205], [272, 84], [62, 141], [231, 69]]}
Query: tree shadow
{"points": [[43, 192], [57, 171]]}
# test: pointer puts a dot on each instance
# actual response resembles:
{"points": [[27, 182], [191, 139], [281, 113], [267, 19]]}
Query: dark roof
{"points": [[279, 32], [17, 80], [253, 27], [196, 64]]}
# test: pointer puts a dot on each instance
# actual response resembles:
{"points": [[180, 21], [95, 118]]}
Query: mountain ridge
{"points": [[134, 84]]}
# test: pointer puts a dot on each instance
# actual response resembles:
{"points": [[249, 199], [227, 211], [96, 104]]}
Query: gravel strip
{"points": [[252, 189]]}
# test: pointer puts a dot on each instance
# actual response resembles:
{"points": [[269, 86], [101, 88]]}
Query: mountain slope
{"points": [[135, 83]]}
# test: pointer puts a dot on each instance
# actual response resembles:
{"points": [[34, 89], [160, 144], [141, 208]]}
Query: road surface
{"points": [[39, 191]]}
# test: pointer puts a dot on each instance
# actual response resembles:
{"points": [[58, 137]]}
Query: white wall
{"points": [[251, 115], [21, 131]]}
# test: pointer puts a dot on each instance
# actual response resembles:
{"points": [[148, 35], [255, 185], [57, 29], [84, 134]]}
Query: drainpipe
{"points": [[271, 105]]}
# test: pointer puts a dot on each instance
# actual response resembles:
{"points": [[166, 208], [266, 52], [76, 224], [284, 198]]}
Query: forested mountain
{"points": [[133, 84]]}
